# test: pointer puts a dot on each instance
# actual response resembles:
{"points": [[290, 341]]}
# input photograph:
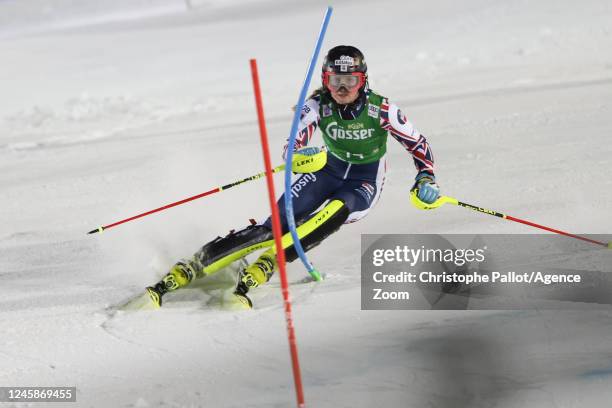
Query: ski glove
{"points": [[427, 189], [308, 150]]}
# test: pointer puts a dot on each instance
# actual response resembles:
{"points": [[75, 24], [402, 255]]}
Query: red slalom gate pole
{"points": [[277, 232]]}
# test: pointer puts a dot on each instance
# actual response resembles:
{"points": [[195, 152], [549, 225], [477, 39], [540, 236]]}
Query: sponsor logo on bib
{"points": [[336, 132], [355, 126], [327, 111], [373, 111]]}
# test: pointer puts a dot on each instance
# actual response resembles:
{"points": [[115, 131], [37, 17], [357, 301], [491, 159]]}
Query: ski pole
{"points": [[300, 164], [186, 200], [450, 200]]}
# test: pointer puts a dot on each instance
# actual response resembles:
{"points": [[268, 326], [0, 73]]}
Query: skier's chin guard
{"points": [[308, 163]]}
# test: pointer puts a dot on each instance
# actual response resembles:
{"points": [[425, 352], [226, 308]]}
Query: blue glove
{"points": [[427, 189], [308, 150]]}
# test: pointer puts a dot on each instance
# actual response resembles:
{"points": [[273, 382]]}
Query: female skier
{"points": [[355, 122]]}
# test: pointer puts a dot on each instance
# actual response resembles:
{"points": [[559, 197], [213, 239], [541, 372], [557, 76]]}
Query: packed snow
{"points": [[112, 108]]}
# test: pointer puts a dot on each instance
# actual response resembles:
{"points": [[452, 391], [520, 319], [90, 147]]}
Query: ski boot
{"points": [[180, 275], [257, 273]]}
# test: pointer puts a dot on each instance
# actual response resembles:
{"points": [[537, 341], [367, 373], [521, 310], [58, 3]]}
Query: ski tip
{"points": [[243, 300], [141, 302]]}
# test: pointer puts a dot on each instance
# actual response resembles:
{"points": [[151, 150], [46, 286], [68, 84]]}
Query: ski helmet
{"points": [[344, 59]]}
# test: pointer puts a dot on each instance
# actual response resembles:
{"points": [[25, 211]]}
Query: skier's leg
{"points": [[215, 255], [360, 197], [361, 193], [348, 204], [309, 192], [318, 227]]}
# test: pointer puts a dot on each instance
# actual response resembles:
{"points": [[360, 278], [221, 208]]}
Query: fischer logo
{"points": [[336, 132], [301, 183]]}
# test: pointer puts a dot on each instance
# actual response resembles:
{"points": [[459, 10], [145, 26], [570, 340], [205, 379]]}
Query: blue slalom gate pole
{"points": [[296, 118]]}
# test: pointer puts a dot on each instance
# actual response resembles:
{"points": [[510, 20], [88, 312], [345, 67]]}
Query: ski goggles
{"points": [[350, 81]]}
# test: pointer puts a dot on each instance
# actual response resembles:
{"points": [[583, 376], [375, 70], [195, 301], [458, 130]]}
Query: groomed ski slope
{"points": [[107, 112]]}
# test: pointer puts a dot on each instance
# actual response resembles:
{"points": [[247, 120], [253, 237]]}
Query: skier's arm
{"points": [[393, 120], [309, 120]]}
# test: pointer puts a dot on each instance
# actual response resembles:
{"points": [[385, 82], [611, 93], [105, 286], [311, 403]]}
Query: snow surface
{"points": [[111, 108]]}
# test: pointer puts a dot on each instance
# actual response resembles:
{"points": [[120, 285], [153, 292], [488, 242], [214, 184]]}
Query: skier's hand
{"points": [[426, 188], [308, 150], [309, 159]]}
